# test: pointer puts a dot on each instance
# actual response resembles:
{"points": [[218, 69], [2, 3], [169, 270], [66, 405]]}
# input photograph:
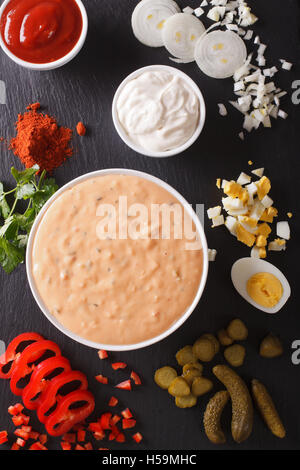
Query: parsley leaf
{"points": [[16, 226]]}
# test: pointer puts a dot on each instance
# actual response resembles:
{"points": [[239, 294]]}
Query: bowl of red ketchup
{"points": [[42, 34]]}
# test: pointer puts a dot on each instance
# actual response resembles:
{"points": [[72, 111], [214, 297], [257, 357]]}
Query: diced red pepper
{"points": [[105, 420], [102, 354], [81, 435], [20, 442], [99, 435], [3, 437], [126, 385], [120, 437], [15, 409], [128, 423], [95, 427], [137, 437], [22, 434], [111, 436], [70, 437], [79, 447], [100, 378], [136, 378], [26, 429], [43, 438], [66, 445], [115, 419], [37, 446], [15, 446], [126, 413], [103, 448], [88, 446], [113, 401], [34, 435], [119, 365], [17, 420]]}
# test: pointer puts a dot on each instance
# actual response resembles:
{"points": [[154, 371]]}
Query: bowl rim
{"points": [[178, 322], [57, 63], [168, 153]]}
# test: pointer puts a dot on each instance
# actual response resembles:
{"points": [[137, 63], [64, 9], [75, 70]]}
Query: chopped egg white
{"points": [[283, 230], [258, 172], [217, 221], [243, 179], [214, 212]]}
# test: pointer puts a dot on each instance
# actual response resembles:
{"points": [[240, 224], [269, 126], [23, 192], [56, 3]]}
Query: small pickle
{"points": [[201, 385], [179, 388], [212, 417], [271, 347], [164, 377], [267, 409], [224, 338], [185, 355], [214, 340], [204, 349], [235, 355], [186, 402], [190, 374], [237, 330]]}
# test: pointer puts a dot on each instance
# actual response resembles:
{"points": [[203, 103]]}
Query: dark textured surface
{"points": [[83, 90]]}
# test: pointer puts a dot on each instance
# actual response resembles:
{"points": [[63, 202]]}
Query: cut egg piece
{"points": [[243, 270]]}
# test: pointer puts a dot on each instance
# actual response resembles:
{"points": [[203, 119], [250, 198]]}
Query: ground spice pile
{"points": [[40, 140]]}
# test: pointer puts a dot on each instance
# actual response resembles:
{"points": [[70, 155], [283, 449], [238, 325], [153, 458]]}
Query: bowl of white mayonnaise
{"points": [[158, 111]]}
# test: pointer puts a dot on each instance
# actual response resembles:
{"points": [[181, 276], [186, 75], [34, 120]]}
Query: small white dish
{"points": [[57, 63], [169, 153], [175, 325]]}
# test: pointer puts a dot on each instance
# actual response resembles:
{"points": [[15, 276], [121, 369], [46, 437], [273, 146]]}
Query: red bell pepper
{"points": [[31, 353], [15, 446], [13, 350], [113, 401], [64, 417], [119, 365], [100, 378], [66, 446], [16, 409], [49, 399], [126, 413], [126, 385], [136, 378], [128, 423], [102, 354], [34, 392], [137, 437]]}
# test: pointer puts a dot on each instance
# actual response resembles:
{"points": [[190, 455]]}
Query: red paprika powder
{"points": [[40, 140]]}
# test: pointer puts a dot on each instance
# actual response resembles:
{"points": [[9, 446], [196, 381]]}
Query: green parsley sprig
{"points": [[15, 226]]}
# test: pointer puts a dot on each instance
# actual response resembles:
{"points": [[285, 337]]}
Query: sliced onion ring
{"points": [[180, 35], [220, 53], [148, 19]]}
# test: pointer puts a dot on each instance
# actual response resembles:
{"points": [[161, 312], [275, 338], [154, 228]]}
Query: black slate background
{"points": [[83, 90]]}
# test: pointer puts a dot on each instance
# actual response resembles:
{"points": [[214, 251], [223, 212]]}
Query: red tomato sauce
{"points": [[41, 31]]}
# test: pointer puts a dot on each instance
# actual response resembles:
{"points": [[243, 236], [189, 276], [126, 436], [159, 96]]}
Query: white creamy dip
{"points": [[158, 110]]}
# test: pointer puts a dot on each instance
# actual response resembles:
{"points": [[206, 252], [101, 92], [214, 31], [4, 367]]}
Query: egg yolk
{"points": [[265, 289]]}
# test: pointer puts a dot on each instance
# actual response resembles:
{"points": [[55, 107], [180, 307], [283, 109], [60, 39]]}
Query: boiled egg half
{"points": [[260, 283]]}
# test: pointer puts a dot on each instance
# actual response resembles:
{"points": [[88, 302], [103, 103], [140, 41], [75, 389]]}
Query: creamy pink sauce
{"points": [[112, 291]]}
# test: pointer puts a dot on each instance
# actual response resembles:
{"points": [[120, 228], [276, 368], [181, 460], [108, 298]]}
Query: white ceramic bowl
{"points": [[169, 153], [112, 347], [57, 63]]}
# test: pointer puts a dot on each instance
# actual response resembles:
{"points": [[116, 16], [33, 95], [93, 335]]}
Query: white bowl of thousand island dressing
{"points": [[117, 259]]}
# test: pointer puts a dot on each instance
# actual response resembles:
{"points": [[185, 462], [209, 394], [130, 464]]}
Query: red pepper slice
{"points": [[16, 409], [105, 420], [128, 423], [126, 413], [101, 379], [32, 353], [64, 417], [11, 352], [15, 446], [113, 401], [32, 396], [49, 399], [66, 446], [20, 442]]}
